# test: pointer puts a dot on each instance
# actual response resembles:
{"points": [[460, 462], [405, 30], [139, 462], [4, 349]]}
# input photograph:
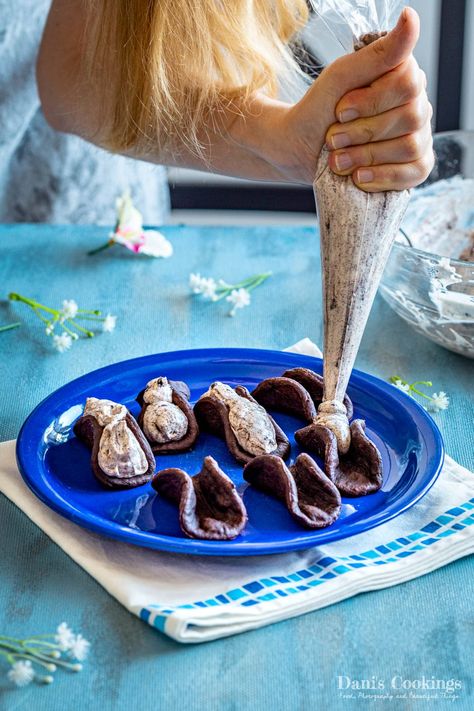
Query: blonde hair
{"points": [[170, 65]]}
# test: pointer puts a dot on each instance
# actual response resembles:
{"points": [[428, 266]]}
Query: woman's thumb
{"points": [[369, 63]]}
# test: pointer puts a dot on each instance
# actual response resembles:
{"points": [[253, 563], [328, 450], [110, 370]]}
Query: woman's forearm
{"points": [[252, 141], [247, 143], [370, 107]]}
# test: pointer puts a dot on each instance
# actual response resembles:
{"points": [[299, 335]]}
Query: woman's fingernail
{"points": [[365, 176], [343, 161], [340, 140], [348, 115]]}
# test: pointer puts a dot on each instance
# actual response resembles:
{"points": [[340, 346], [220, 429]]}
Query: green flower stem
{"points": [[108, 244], [10, 326], [428, 384], [4, 639], [89, 334], [68, 330], [41, 643], [22, 650], [21, 643], [48, 635], [256, 277], [252, 281], [11, 647], [249, 284], [11, 651], [45, 661], [34, 304], [38, 653], [258, 281], [33, 658], [40, 316], [95, 312], [412, 386], [91, 318]]}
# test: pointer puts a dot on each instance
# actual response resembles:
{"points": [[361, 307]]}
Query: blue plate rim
{"points": [[27, 446]]}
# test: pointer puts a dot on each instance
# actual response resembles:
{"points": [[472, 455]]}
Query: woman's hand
{"points": [[382, 136]]}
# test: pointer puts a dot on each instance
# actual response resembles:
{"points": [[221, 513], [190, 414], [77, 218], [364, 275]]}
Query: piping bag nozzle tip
{"points": [[333, 415]]}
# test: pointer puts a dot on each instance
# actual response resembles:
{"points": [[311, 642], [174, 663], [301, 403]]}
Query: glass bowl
{"points": [[424, 281]]}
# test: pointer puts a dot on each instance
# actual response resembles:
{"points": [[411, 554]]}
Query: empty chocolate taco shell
{"points": [[310, 496], [210, 507], [285, 395]]}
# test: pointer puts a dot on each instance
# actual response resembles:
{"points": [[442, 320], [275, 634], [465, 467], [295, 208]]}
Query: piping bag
{"points": [[357, 228]]}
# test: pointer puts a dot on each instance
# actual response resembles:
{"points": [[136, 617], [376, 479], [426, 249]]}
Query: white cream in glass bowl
{"points": [[429, 280]]}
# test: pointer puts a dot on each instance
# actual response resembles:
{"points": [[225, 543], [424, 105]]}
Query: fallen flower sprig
{"points": [[437, 401], [10, 326], [236, 294], [28, 657], [128, 232], [66, 319]]}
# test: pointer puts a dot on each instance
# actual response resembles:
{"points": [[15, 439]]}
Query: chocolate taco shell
{"points": [[285, 395], [88, 430], [357, 473], [313, 383], [209, 505], [212, 416], [310, 496], [181, 395]]}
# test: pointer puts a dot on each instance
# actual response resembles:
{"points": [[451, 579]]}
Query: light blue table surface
{"points": [[424, 627]]}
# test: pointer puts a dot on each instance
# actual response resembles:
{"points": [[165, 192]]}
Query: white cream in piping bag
{"points": [[357, 232]]}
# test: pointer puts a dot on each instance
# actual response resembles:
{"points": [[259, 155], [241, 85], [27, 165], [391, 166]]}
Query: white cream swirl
{"points": [[333, 415], [163, 421], [120, 454], [248, 420]]}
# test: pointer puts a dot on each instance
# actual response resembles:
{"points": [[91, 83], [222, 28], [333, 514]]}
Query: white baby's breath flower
{"points": [[64, 637], [63, 342], [239, 298], [439, 401], [69, 309], [208, 288], [21, 673], [109, 322], [195, 283], [401, 385], [79, 648], [49, 329]]}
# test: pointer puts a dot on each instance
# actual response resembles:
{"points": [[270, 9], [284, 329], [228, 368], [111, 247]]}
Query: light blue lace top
{"points": [[46, 176]]}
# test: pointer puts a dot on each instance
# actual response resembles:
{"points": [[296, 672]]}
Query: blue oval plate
{"points": [[56, 466]]}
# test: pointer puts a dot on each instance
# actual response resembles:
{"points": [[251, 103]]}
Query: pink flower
{"points": [[129, 232]]}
